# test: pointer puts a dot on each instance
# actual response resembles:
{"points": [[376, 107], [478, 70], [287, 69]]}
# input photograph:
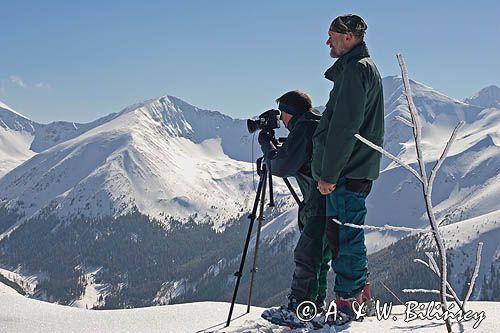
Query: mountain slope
{"points": [[466, 185], [21, 138], [149, 157], [488, 97], [16, 136]]}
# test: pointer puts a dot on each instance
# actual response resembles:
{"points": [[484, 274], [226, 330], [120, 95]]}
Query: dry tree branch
{"points": [[385, 227], [435, 270], [474, 275], [443, 155], [404, 121], [388, 155]]}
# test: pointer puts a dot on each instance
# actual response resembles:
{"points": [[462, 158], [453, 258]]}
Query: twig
{"points": [[443, 155], [474, 275], [383, 228], [435, 270], [393, 294], [388, 155], [404, 121], [428, 291]]}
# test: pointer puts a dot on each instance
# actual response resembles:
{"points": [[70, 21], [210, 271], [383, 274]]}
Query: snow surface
{"points": [[20, 314], [14, 149]]}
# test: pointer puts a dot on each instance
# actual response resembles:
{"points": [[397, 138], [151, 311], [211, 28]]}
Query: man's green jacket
{"points": [[355, 106]]}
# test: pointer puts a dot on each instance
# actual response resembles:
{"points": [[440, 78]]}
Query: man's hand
{"points": [[325, 188]]}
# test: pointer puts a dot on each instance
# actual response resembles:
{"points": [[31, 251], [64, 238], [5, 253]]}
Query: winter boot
{"points": [[320, 306], [366, 297], [286, 315]]}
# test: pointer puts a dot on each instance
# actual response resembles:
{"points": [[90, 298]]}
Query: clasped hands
{"points": [[325, 188]]}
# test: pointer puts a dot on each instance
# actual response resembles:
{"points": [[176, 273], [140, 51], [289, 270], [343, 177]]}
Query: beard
{"points": [[337, 50]]}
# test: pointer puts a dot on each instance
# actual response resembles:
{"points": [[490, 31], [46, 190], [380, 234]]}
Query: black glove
{"points": [[264, 138]]}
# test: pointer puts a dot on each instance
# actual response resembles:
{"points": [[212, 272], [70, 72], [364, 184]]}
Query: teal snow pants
{"points": [[349, 262]]}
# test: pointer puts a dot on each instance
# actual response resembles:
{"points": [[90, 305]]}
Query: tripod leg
{"points": [[239, 273], [257, 238], [292, 191], [271, 195]]}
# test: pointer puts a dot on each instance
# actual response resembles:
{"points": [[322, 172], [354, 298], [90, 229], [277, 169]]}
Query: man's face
{"points": [[337, 43], [285, 118]]}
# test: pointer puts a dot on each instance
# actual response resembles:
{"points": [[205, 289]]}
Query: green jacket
{"points": [[356, 105], [293, 159]]}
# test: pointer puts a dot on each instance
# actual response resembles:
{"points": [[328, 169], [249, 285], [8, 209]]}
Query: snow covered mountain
{"points": [[126, 179], [97, 185], [16, 135], [21, 138], [467, 184], [162, 156], [488, 97]]}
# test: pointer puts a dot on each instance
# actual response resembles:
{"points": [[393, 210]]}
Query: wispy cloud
{"points": [[18, 81], [42, 85]]}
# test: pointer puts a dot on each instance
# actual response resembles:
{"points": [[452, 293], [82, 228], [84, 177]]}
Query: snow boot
{"points": [[366, 297], [286, 315]]}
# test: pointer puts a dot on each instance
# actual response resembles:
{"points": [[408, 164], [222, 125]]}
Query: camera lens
{"points": [[252, 125]]}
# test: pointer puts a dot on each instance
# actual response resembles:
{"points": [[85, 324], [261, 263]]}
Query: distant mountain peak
{"points": [[488, 97], [8, 108]]}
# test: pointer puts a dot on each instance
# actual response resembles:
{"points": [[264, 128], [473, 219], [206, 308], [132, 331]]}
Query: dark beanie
{"points": [[349, 23], [291, 110]]}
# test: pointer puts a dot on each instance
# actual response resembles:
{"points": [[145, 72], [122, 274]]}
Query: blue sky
{"points": [[63, 60]]}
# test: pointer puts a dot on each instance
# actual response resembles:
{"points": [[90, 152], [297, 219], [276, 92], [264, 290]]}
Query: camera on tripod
{"points": [[266, 122]]}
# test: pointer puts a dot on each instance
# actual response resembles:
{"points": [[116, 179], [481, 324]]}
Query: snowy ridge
{"points": [[147, 157], [8, 108], [467, 184], [488, 97], [21, 138], [16, 136]]}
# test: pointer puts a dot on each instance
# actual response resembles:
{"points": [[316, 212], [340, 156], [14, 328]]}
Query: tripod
{"points": [[264, 171]]}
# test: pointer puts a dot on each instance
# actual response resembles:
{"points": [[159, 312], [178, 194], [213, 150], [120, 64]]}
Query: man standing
{"points": [[293, 159], [343, 166]]}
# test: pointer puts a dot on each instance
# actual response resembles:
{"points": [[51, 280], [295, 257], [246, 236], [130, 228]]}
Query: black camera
{"points": [[267, 121]]}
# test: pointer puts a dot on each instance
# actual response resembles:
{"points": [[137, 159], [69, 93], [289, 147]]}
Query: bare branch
{"points": [[393, 294], [474, 275], [404, 121], [432, 262], [388, 155], [434, 269], [384, 228], [417, 127], [429, 291], [417, 133], [443, 155]]}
